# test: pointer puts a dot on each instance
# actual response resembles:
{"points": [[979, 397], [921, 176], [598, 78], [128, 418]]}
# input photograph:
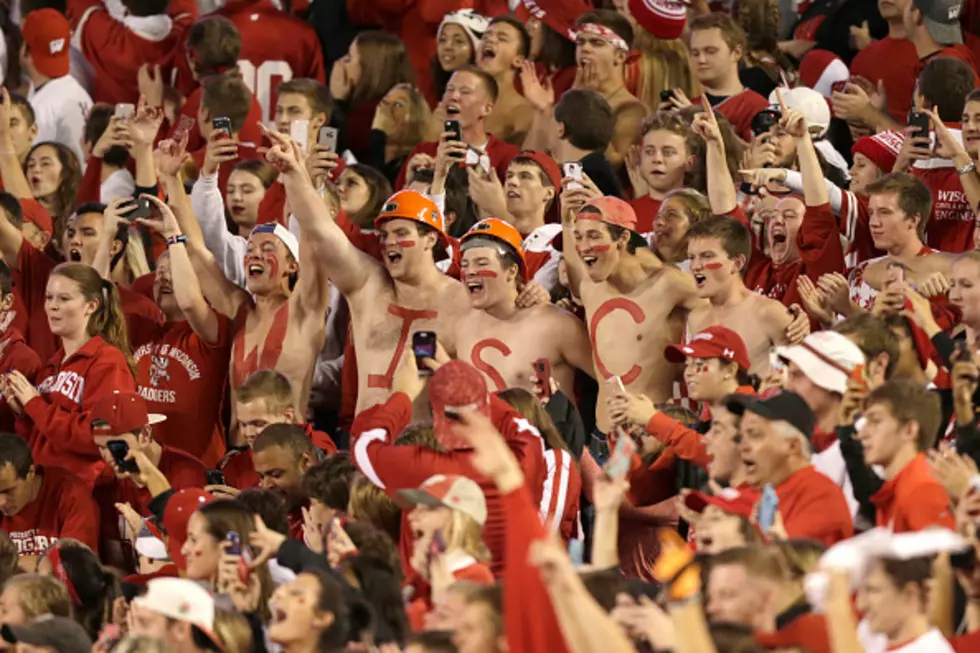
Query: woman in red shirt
{"points": [[94, 359]]}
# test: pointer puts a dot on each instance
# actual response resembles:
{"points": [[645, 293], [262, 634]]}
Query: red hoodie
{"points": [[58, 423], [15, 355], [62, 508], [913, 500], [394, 468]]}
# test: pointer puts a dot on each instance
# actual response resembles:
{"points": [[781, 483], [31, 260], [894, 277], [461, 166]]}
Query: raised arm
{"points": [[14, 181], [11, 239], [337, 258], [111, 220], [721, 189], [143, 130], [183, 278], [572, 200], [814, 185]]}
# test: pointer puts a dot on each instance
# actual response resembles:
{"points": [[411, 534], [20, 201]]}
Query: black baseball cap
{"points": [[785, 406], [62, 634]]}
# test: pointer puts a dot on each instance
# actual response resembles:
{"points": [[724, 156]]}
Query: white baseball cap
{"points": [[450, 491], [826, 357], [182, 600], [808, 102]]}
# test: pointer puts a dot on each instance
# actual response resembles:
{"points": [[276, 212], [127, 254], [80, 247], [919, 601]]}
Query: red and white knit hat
{"points": [[820, 69], [664, 19], [882, 148]]}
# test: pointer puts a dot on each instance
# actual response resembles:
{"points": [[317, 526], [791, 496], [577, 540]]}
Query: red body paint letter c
{"points": [[607, 307]]}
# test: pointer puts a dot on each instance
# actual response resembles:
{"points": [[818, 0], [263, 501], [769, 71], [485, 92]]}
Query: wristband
{"points": [[179, 239], [967, 169]]}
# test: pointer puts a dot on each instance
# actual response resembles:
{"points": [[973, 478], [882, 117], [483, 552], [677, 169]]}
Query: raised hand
{"points": [[285, 154], [705, 124], [162, 219], [170, 157], [793, 122], [814, 301], [145, 123], [150, 82], [541, 95]]}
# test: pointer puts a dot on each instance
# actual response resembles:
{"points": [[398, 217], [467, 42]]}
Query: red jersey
{"points": [[394, 468], [646, 209], [561, 493], [116, 48], [814, 507], [950, 226], [238, 468], [500, 154], [16, 355], [820, 253], [895, 63], [58, 422], [739, 109], [913, 500], [182, 376], [250, 132], [62, 508]]}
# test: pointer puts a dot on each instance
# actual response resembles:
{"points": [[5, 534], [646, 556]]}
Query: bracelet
{"points": [[967, 169], [179, 239]]}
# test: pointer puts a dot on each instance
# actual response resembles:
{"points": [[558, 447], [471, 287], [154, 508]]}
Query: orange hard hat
{"points": [[413, 205], [498, 230]]}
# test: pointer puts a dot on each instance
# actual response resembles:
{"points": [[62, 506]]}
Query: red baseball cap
{"points": [[37, 215], [614, 211], [545, 162], [125, 412], [47, 35], [730, 500], [713, 342], [454, 386], [181, 505]]}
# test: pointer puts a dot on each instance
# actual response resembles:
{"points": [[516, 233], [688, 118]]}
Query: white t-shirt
{"points": [[61, 108], [932, 641]]}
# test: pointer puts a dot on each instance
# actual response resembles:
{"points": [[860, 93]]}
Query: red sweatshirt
{"points": [[58, 422], [238, 468], [62, 508], [895, 63], [820, 253], [812, 506], [15, 355], [913, 500], [394, 468], [739, 109]]}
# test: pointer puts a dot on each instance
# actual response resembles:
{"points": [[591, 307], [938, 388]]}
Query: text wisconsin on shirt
{"points": [[31, 542], [69, 384]]}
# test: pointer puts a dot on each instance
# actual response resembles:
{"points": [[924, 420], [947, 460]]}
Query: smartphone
{"points": [[235, 543], [454, 127], [423, 346], [776, 363], [327, 138], [125, 111], [667, 95], [142, 209], [119, 450], [621, 458], [223, 124], [572, 170], [299, 131], [542, 370], [768, 505], [764, 121], [920, 121], [438, 545], [214, 477]]}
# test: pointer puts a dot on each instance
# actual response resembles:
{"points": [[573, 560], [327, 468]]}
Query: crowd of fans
{"points": [[490, 326]]}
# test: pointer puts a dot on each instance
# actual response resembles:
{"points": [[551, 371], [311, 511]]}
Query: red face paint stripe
{"points": [[475, 357], [713, 266], [406, 243], [607, 307], [600, 248], [489, 274]]}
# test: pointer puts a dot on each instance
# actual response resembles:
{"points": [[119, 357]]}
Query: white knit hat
{"points": [[473, 23]]}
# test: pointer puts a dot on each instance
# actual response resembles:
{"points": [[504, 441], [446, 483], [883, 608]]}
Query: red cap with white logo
{"points": [[713, 342], [47, 36]]}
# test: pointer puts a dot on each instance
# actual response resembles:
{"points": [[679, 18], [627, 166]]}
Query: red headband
{"points": [[604, 32], [59, 572]]}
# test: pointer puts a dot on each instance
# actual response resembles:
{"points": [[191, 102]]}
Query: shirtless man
{"points": [[635, 304], [403, 293], [496, 336], [280, 315], [719, 249], [501, 52]]}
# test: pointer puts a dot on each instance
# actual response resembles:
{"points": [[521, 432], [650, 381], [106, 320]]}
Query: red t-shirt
{"points": [[183, 377], [58, 423], [500, 154], [913, 500], [181, 469], [15, 355], [739, 109], [950, 227], [116, 52], [813, 506], [238, 468], [960, 52], [895, 63], [62, 508], [646, 209]]}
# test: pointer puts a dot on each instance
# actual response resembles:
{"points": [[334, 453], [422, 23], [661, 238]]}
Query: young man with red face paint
{"points": [[280, 315], [393, 298], [719, 249], [499, 338], [635, 304]]}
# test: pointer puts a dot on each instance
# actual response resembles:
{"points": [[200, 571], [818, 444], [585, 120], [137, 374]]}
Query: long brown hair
{"points": [[665, 64], [528, 405], [108, 320], [384, 63], [62, 201], [379, 190]]}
